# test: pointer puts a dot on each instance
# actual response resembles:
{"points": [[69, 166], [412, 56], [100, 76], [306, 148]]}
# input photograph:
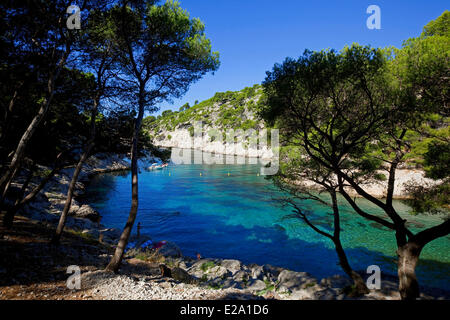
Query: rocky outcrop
{"points": [[212, 125], [216, 278], [50, 202], [181, 138]]}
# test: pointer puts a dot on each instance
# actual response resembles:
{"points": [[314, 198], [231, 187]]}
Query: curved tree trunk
{"points": [[62, 219], [7, 185], [8, 218], [114, 264], [360, 287], [358, 281], [408, 256]]}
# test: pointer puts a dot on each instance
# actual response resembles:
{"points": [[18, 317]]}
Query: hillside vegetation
{"points": [[225, 110]]}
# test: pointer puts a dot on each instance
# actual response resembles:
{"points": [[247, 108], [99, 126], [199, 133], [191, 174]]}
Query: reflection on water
{"points": [[229, 211]]}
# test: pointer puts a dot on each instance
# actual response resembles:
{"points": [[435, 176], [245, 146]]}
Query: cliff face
{"points": [[210, 125]]}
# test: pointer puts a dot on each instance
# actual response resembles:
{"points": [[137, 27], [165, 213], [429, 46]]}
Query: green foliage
{"points": [[166, 113], [421, 74], [438, 27], [186, 106], [429, 199], [216, 286], [148, 121], [437, 160], [191, 131], [223, 111], [329, 127], [207, 265], [361, 108], [269, 287]]}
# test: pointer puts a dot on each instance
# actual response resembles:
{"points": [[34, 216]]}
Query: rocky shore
{"points": [[49, 203], [378, 189], [182, 139]]}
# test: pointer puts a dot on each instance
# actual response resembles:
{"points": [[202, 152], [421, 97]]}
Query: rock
{"points": [[231, 265], [336, 281], [257, 272], [218, 272], [271, 272], [201, 266], [242, 278], [86, 212], [230, 283], [170, 249], [256, 285], [110, 235], [290, 280], [326, 294], [301, 295]]}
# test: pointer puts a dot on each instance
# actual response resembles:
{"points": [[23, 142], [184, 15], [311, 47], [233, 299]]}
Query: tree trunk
{"points": [[8, 218], [62, 219], [408, 256], [7, 185], [114, 264], [360, 287], [7, 177], [358, 281]]}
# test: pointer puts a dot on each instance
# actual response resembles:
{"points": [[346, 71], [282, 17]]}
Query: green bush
{"points": [[207, 265]]}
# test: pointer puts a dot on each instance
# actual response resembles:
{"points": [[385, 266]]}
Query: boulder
{"points": [[170, 249], [256, 285], [232, 266], [257, 272], [291, 280], [87, 212], [271, 272], [242, 278], [218, 272], [178, 274], [110, 235]]}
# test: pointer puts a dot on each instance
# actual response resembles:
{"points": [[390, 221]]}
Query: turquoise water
{"points": [[237, 216]]}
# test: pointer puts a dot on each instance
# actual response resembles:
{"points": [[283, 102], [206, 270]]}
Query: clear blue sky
{"points": [[252, 35]]}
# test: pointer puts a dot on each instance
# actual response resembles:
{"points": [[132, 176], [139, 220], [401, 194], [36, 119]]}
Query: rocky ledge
{"points": [[164, 274]]}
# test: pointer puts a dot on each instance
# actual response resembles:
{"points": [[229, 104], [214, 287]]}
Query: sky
{"points": [[252, 35]]}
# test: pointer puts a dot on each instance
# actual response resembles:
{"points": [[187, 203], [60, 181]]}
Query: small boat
{"points": [[156, 166]]}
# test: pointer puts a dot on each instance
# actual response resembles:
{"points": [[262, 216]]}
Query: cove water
{"points": [[231, 212]]}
